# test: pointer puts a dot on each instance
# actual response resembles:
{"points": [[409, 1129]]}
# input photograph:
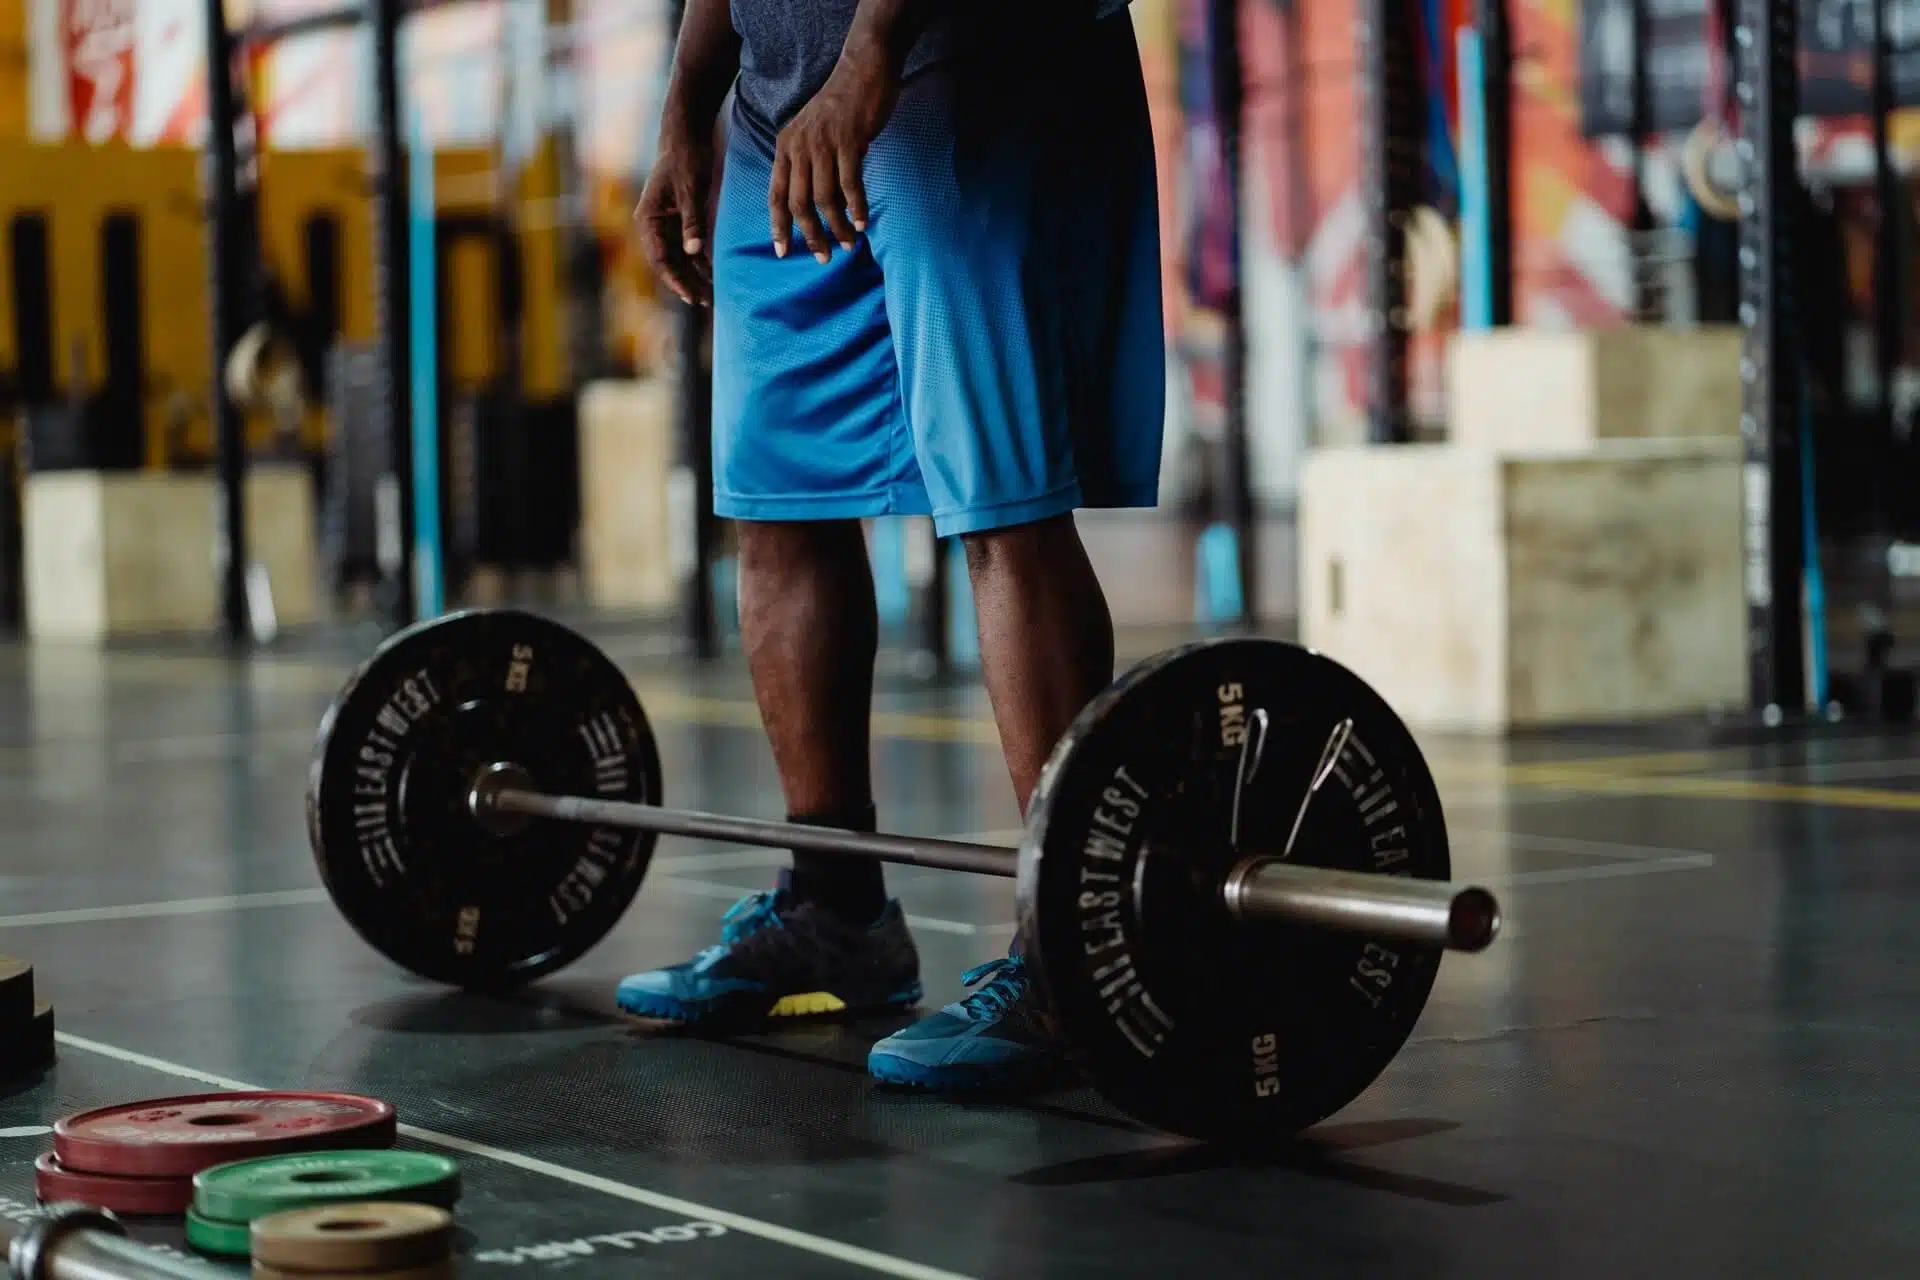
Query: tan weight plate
{"points": [[1433, 267], [379, 1236], [1704, 140], [441, 1270]]}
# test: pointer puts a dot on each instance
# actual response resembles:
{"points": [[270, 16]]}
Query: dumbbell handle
{"points": [[1430, 912]]}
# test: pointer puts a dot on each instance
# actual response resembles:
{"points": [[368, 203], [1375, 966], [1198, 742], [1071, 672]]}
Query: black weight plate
{"points": [[1187, 1019], [387, 812], [16, 996], [29, 1048]]}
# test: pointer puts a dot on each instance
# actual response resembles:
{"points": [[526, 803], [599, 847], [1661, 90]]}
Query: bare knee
{"points": [[1022, 547], [786, 547]]}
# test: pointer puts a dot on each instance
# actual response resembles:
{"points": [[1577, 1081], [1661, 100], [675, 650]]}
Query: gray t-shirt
{"points": [[789, 47]]}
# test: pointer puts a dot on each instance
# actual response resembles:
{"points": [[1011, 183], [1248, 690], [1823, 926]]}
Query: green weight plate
{"points": [[249, 1189], [223, 1239]]}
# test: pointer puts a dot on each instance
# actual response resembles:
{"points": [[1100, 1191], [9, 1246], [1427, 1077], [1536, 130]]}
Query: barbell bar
{"points": [[67, 1241], [1232, 888], [1429, 912]]}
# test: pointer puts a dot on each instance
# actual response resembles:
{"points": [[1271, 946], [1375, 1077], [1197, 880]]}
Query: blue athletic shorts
{"points": [[992, 351]]}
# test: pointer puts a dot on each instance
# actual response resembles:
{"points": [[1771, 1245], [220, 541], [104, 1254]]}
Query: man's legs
{"points": [[1018, 238], [828, 940], [808, 438], [1046, 638], [810, 629]]}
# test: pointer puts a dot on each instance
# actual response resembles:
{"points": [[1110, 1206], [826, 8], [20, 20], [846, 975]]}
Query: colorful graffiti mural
{"points": [[478, 74], [1570, 196]]}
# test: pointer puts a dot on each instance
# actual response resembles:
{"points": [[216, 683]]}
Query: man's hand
{"points": [[817, 159], [672, 214]]}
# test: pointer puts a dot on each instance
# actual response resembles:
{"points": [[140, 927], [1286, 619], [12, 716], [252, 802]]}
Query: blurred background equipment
{"points": [[1495, 227]]}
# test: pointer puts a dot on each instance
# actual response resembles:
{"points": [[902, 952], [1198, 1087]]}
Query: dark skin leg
{"points": [[810, 629], [1046, 637]]}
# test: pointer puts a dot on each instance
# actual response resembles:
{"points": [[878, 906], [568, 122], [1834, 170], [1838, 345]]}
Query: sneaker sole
{"points": [[805, 1004], [906, 1074]]}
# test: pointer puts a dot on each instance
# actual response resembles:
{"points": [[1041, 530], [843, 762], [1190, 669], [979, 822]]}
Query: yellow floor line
{"points": [[1658, 774], [1655, 786]]}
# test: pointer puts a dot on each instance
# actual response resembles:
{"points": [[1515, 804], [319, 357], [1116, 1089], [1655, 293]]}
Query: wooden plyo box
{"points": [[1487, 591], [111, 553], [627, 510], [1532, 389]]}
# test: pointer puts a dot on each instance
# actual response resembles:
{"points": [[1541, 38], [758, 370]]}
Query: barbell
{"points": [[1232, 886]]}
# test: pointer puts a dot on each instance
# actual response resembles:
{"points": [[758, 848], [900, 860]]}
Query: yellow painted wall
{"points": [[13, 69], [76, 186]]}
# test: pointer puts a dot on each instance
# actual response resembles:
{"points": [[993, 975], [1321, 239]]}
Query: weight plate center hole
{"points": [[483, 798], [228, 1117]]}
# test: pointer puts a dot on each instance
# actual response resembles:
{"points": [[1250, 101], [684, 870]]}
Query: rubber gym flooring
{"points": [[1693, 1052]]}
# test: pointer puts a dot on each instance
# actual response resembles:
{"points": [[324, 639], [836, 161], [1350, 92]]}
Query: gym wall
{"points": [[14, 77], [63, 293]]}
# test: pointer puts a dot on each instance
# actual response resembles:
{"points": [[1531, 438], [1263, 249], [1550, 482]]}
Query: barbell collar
{"points": [[1433, 913]]}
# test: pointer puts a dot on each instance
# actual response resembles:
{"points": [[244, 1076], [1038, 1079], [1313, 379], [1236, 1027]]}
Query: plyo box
{"points": [[1533, 389], [111, 553], [627, 507], [1484, 590]]}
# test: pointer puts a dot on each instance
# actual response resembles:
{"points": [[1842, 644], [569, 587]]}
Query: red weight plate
{"points": [[155, 1196], [178, 1137]]}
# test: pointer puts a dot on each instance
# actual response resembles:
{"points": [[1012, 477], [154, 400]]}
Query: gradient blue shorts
{"points": [[992, 351]]}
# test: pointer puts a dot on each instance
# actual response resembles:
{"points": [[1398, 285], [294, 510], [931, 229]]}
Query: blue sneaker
{"points": [[782, 958], [994, 1039]]}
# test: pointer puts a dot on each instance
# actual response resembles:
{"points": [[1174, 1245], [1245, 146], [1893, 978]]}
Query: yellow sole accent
{"points": [[807, 1002]]}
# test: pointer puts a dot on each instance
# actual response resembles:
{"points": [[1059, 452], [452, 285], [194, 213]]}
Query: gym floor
{"points": [[1694, 1050]]}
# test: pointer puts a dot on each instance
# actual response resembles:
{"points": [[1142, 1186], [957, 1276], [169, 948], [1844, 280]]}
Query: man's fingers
{"points": [[693, 212], [689, 280], [658, 234], [777, 215], [806, 219], [699, 282], [853, 187], [828, 194], [684, 280]]}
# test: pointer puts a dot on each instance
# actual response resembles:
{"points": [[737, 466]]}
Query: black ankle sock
{"points": [[852, 888]]}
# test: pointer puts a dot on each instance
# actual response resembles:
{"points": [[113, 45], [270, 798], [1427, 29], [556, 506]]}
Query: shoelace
{"points": [[753, 914], [1009, 983], [749, 916]]}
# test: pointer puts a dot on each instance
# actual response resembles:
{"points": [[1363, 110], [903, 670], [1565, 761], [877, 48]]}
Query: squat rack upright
{"points": [[231, 178], [1767, 90], [232, 175]]}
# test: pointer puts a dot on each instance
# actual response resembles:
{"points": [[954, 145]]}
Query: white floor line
{"points": [[177, 907], [315, 897], [1618, 860], [210, 746], [737, 860], [1605, 871], [1623, 860], [1614, 849], [852, 1255], [715, 889]]}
